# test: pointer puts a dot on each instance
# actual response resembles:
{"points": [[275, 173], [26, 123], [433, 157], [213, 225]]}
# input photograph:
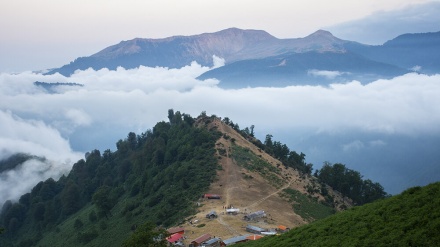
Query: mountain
{"points": [[404, 54], [409, 219], [159, 176], [307, 68], [174, 52], [419, 51]]}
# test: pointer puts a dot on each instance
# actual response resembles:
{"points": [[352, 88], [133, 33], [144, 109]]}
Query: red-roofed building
{"points": [[254, 237], [176, 237]]}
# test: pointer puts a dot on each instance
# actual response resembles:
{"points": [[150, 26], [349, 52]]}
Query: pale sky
{"points": [[50, 33]]}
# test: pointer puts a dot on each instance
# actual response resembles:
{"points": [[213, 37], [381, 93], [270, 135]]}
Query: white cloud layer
{"points": [[35, 138], [36, 122]]}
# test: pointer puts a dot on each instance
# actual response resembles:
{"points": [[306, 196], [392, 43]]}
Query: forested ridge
{"points": [[156, 176]]}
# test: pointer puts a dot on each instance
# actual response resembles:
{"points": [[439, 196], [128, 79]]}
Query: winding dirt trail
{"points": [[270, 195]]}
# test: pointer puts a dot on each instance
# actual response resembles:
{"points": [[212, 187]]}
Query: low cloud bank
{"points": [[135, 99], [34, 138]]}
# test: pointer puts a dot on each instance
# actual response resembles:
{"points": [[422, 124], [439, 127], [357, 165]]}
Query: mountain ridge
{"points": [[232, 44], [250, 52]]}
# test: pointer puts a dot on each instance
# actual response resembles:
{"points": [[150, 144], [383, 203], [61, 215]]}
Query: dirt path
{"points": [[270, 195]]}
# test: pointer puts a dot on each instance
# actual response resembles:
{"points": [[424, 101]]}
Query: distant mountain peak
{"points": [[322, 36], [321, 33]]}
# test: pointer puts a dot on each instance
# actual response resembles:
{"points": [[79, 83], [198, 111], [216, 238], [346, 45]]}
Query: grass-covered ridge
{"points": [[409, 219], [247, 159]]}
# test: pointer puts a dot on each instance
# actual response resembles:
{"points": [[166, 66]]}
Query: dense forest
{"points": [[409, 219], [154, 177]]}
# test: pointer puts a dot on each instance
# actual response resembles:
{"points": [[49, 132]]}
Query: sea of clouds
{"points": [[347, 122]]}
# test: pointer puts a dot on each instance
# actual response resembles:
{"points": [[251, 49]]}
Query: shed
{"points": [[254, 237], [198, 241], [212, 215], [235, 240], [282, 228], [232, 211], [211, 196], [179, 230], [255, 215], [255, 229]]}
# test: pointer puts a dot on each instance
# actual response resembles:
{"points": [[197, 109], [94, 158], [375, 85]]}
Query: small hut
{"points": [[255, 229], [255, 215], [212, 215]]}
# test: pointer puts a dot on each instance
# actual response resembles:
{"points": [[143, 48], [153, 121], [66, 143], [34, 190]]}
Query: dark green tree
{"points": [[147, 235], [101, 198], [70, 198]]}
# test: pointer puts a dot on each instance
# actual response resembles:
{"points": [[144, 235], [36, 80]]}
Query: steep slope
{"points": [[232, 44], [409, 219]]}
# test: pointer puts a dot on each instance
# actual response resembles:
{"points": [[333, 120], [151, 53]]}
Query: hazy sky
{"points": [[50, 33]]}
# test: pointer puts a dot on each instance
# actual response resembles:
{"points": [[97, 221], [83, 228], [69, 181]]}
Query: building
{"points": [[175, 239], [255, 229], [282, 229], [198, 241], [255, 215], [179, 230], [213, 242], [254, 237], [211, 196], [234, 240], [212, 215], [233, 211]]}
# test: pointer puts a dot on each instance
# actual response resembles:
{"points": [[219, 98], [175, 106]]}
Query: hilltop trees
{"points": [[350, 183]]}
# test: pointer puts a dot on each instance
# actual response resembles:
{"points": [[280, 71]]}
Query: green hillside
{"points": [[409, 219]]}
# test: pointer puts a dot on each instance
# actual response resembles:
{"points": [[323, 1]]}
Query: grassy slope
{"points": [[409, 219]]}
